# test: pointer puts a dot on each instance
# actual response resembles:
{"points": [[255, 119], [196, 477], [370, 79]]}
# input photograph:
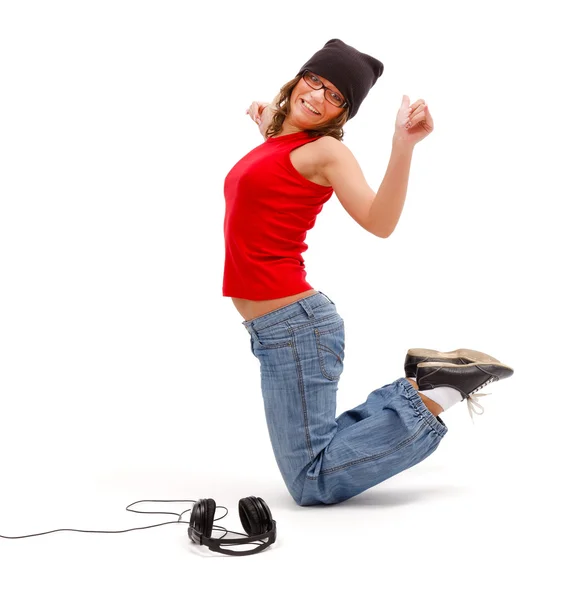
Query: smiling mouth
{"points": [[307, 108]]}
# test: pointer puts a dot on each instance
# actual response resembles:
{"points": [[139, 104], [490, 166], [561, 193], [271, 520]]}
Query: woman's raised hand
{"points": [[255, 110], [261, 116], [413, 123]]}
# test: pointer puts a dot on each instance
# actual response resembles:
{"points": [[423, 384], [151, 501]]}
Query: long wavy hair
{"points": [[282, 107]]}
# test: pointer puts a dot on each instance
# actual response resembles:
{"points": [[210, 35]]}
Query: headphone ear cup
{"points": [[254, 515], [209, 518], [202, 517]]}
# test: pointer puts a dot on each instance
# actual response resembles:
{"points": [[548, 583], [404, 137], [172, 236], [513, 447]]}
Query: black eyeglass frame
{"points": [[345, 103]]}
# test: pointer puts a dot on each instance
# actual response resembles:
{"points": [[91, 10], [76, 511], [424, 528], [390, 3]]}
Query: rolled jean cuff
{"points": [[420, 408]]}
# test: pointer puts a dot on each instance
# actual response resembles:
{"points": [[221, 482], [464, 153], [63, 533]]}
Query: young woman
{"points": [[273, 196]]}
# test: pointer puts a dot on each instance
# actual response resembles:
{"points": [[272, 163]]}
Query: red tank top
{"points": [[270, 207]]}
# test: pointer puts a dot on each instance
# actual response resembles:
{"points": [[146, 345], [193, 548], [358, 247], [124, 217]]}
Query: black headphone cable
{"points": [[179, 515]]}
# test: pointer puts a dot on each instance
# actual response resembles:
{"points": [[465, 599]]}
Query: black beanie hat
{"points": [[352, 72]]}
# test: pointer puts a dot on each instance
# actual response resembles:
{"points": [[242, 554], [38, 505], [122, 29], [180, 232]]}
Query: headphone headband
{"points": [[255, 518]]}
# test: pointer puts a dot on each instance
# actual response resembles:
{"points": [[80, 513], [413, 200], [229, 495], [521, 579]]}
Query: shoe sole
{"points": [[496, 369], [454, 357]]}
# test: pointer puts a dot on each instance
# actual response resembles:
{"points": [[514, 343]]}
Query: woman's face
{"points": [[301, 115]]}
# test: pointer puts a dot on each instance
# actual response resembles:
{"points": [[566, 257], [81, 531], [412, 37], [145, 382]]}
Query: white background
{"points": [[124, 373]]}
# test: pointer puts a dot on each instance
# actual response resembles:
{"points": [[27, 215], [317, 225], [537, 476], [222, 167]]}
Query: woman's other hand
{"points": [[413, 123], [262, 117]]}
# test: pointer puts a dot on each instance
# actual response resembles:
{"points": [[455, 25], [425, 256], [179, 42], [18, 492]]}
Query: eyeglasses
{"points": [[334, 98]]}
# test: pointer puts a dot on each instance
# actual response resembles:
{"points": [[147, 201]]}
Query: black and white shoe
{"points": [[462, 356], [465, 378]]}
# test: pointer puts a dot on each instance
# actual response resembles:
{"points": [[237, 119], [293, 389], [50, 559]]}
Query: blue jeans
{"points": [[326, 459]]}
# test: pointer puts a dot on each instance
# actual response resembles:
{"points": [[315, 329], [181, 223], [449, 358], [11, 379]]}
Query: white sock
{"points": [[446, 397]]}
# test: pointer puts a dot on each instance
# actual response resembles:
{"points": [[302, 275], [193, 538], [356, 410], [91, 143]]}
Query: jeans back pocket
{"points": [[330, 348]]}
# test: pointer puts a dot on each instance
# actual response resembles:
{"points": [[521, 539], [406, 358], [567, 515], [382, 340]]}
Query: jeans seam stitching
{"points": [[303, 399], [323, 348], [285, 317], [275, 345], [333, 328], [375, 457], [294, 328], [311, 323], [320, 349]]}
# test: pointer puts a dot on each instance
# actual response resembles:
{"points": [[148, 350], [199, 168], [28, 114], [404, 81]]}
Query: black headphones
{"points": [[255, 518], [254, 514]]}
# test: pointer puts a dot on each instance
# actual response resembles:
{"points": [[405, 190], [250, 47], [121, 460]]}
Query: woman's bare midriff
{"points": [[252, 309]]}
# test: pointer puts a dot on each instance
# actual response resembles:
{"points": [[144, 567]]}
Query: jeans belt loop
{"points": [[251, 330], [307, 308]]}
